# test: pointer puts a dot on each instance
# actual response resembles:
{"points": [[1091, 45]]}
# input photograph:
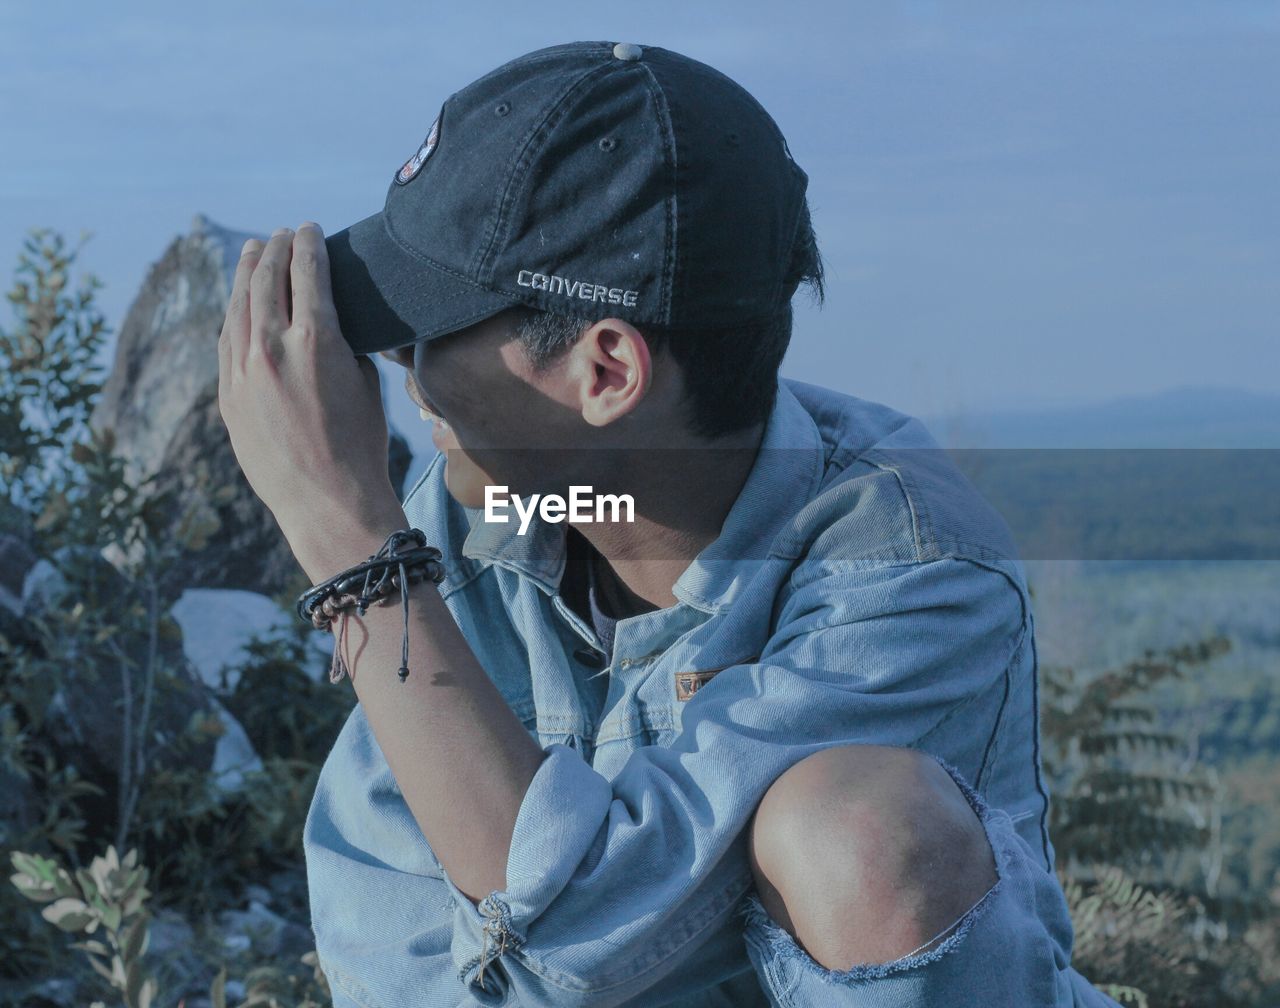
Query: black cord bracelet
{"points": [[322, 603]]}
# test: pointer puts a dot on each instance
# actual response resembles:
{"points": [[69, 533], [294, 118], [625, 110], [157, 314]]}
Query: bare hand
{"points": [[304, 412]]}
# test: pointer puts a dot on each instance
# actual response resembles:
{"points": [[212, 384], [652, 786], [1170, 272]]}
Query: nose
{"points": [[401, 355]]}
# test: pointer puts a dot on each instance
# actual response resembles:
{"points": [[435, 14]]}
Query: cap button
{"points": [[627, 51]]}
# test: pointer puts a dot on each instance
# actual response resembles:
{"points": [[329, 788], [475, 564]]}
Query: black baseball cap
{"points": [[594, 179]]}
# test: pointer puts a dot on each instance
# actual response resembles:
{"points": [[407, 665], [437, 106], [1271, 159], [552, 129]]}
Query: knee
{"points": [[864, 852], [859, 813]]}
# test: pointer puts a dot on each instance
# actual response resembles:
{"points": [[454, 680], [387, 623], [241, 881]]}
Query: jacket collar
{"points": [[785, 476]]}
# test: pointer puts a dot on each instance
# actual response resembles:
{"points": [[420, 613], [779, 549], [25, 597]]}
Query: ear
{"points": [[614, 370]]}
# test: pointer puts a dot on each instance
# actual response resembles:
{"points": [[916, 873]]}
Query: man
{"points": [[758, 724]]}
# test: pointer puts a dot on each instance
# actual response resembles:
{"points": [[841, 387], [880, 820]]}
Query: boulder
{"points": [[85, 714], [16, 559], [161, 402], [218, 623], [19, 804]]}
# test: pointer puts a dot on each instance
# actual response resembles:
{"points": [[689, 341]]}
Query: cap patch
{"points": [[414, 165]]}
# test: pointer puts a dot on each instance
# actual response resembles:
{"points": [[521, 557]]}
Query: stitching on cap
{"points": [[518, 167], [415, 254], [461, 320], [670, 205]]}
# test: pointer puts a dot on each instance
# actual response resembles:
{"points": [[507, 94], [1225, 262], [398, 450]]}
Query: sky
{"points": [[1018, 204]]}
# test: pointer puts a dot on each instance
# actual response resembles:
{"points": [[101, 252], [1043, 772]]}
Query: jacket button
{"points": [[589, 657]]}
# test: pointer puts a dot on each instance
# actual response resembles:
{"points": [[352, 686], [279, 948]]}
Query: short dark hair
{"points": [[730, 374]]}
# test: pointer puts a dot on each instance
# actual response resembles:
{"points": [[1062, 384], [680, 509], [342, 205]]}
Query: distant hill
{"points": [[1180, 418], [1189, 474]]}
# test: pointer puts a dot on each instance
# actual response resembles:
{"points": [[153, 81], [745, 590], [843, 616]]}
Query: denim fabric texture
{"points": [[860, 591]]}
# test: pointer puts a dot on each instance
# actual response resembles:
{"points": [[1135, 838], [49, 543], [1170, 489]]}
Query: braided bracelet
{"points": [[321, 604]]}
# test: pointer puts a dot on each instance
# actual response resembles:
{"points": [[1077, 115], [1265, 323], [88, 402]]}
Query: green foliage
{"points": [[47, 386], [273, 987], [107, 899], [1136, 823], [1132, 797], [212, 843], [66, 494]]}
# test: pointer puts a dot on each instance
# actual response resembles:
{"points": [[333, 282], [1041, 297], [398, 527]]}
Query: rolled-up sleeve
{"points": [[612, 884]]}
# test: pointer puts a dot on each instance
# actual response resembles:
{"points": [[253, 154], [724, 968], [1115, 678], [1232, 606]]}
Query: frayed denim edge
{"points": [[781, 943], [349, 985]]}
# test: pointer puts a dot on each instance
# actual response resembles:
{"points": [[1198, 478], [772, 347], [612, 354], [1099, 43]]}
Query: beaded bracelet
{"points": [[321, 604]]}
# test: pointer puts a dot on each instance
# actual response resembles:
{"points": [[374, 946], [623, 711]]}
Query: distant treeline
{"points": [[1133, 504]]}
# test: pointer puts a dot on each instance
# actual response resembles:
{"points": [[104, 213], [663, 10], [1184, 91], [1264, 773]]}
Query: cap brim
{"points": [[387, 297]]}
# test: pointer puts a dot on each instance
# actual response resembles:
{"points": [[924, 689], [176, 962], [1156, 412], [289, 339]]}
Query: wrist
{"points": [[324, 548]]}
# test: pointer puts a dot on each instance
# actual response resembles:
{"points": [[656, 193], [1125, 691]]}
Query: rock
{"points": [[18, 800], [60, 992], [161, 402], [167, 350], [263, 930], [172, 946], [218, 623], [87, 708], [16, 559], [171, 935], [233, 756], [20, 808], [43, 588]]}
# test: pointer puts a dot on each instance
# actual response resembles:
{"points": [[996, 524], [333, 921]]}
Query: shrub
{"points": [[64, 492], [1136, 824]]}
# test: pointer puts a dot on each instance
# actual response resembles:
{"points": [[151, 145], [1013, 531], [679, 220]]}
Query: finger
{"points": [[268, 295], [370, 371], [233, 342], [309, 275]]}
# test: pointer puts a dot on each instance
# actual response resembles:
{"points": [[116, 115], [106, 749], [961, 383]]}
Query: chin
{"points": [[464, 480]]}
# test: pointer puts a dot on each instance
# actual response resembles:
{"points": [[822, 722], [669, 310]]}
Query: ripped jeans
{"points": [[1012, 948]]}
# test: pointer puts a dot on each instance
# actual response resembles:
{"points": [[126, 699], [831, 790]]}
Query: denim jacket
{"points": [[860, 591]]}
